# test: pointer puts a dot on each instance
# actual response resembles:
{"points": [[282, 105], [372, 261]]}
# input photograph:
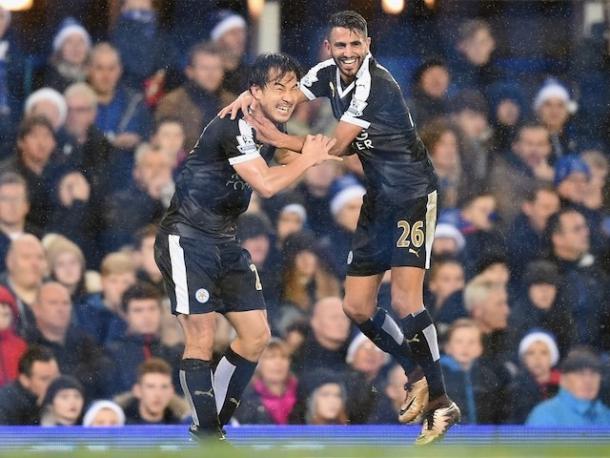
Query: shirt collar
{"points": [[581, 406]]}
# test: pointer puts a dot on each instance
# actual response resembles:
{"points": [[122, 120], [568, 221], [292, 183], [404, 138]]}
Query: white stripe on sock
{"points": [[176, 255], [391, 327], [221, 380], [189, 399], [432, 339]]}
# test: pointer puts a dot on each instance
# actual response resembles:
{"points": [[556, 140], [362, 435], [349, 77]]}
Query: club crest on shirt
{"points": [[356, 107], [202, 295], [246, 144], [308, 80]]}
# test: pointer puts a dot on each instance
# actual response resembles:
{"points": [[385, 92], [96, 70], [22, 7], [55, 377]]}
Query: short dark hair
{"points": [[150, 230], [203, 48], [140, 291], [554, 225], [529, 124], [154, 366], [532, 193], [32, 355], [348, 20], [283, 63], [30, 123]]}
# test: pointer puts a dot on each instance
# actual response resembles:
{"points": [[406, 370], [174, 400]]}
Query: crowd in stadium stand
{"points": [[519, 287]]}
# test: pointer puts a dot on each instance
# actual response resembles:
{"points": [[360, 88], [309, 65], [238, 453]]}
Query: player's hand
{"points": [[266, 131], [318, 147], [245, 102], [73, 186]]}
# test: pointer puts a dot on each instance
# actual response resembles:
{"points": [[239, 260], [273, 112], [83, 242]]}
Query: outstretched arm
{"points": [[268, 181]]}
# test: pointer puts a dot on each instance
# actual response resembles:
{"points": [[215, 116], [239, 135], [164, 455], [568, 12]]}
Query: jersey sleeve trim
{"points": [[310, 95], [356, 121], [243, 158]]}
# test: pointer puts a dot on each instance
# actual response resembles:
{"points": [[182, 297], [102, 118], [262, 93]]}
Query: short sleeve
{"points": [[316, 83], [238, 143], [364, 105]]}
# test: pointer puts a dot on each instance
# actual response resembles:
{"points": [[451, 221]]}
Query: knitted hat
{"points": [[449, 231], [355, 345], [552, 89], [345, 189], [70, 27], [541, 271], [580, 359], [47, 93], [95, 408], [252, 225], [224, 21], [297, 209], [540, 336], [63, 382], [567, 165]]}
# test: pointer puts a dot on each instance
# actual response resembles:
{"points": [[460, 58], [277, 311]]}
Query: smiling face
{"points": [[278, 97], [348, 48]]}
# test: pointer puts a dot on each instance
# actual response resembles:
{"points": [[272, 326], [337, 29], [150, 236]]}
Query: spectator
{"points": [[326, 400], [363, 378], [198, 100], [121, 114], [473, 65], [469, 115], [14, 207], [598, 166], [487, 305], [553, 107], [577, 403], [142, 311], [66, 264], [541, 307], [229, 32], [75, 351], [326, 345], [143, 47], [26, 267], [506, 101], [291, 219], [388, 407], [145, 253], [152, 400], [142, 203], [170, 138], [526, 242], [35, 144], [272, 394], [12, 347], [63, 403], [515, 174], [429, 98], [470, 382], [101, 315], [87, 150], [11, 81], [20, 401], [345, 208], [68, 63], [49, 104], [583, 285], [446, 278], [538, 380], [572, 176], [441, 141], [305, 278], [104, 414]]}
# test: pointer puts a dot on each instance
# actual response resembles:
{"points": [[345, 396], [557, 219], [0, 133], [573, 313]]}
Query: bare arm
{"points": [[268, 181]]}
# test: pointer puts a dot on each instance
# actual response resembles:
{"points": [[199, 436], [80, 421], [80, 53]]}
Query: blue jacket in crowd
{"points": [[567, 410]]}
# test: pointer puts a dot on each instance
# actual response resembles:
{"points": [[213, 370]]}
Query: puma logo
{"points": [[415, 252], [235, 401], [209, 393], [415, 339]]}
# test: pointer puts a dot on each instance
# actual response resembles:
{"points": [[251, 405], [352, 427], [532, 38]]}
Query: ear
{"points": [[137, 390], [257, 92], [327, 46], [189, 72], [25, 381], [368, 42]]}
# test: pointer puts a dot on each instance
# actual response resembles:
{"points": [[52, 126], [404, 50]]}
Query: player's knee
{"points": [[356, 311], [258, 342]]}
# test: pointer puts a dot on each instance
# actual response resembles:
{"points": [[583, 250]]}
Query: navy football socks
{"points": [[196, 382]]}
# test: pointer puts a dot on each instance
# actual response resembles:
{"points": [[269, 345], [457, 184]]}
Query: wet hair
{"points": [[32, 355], [348, 20], [261, 69]]}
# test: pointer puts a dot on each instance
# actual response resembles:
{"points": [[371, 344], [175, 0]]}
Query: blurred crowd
{"points": [[519, 286]]}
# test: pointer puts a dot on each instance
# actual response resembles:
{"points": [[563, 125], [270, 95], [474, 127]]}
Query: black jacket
{"points": [[133, 417], [18, 406]]}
